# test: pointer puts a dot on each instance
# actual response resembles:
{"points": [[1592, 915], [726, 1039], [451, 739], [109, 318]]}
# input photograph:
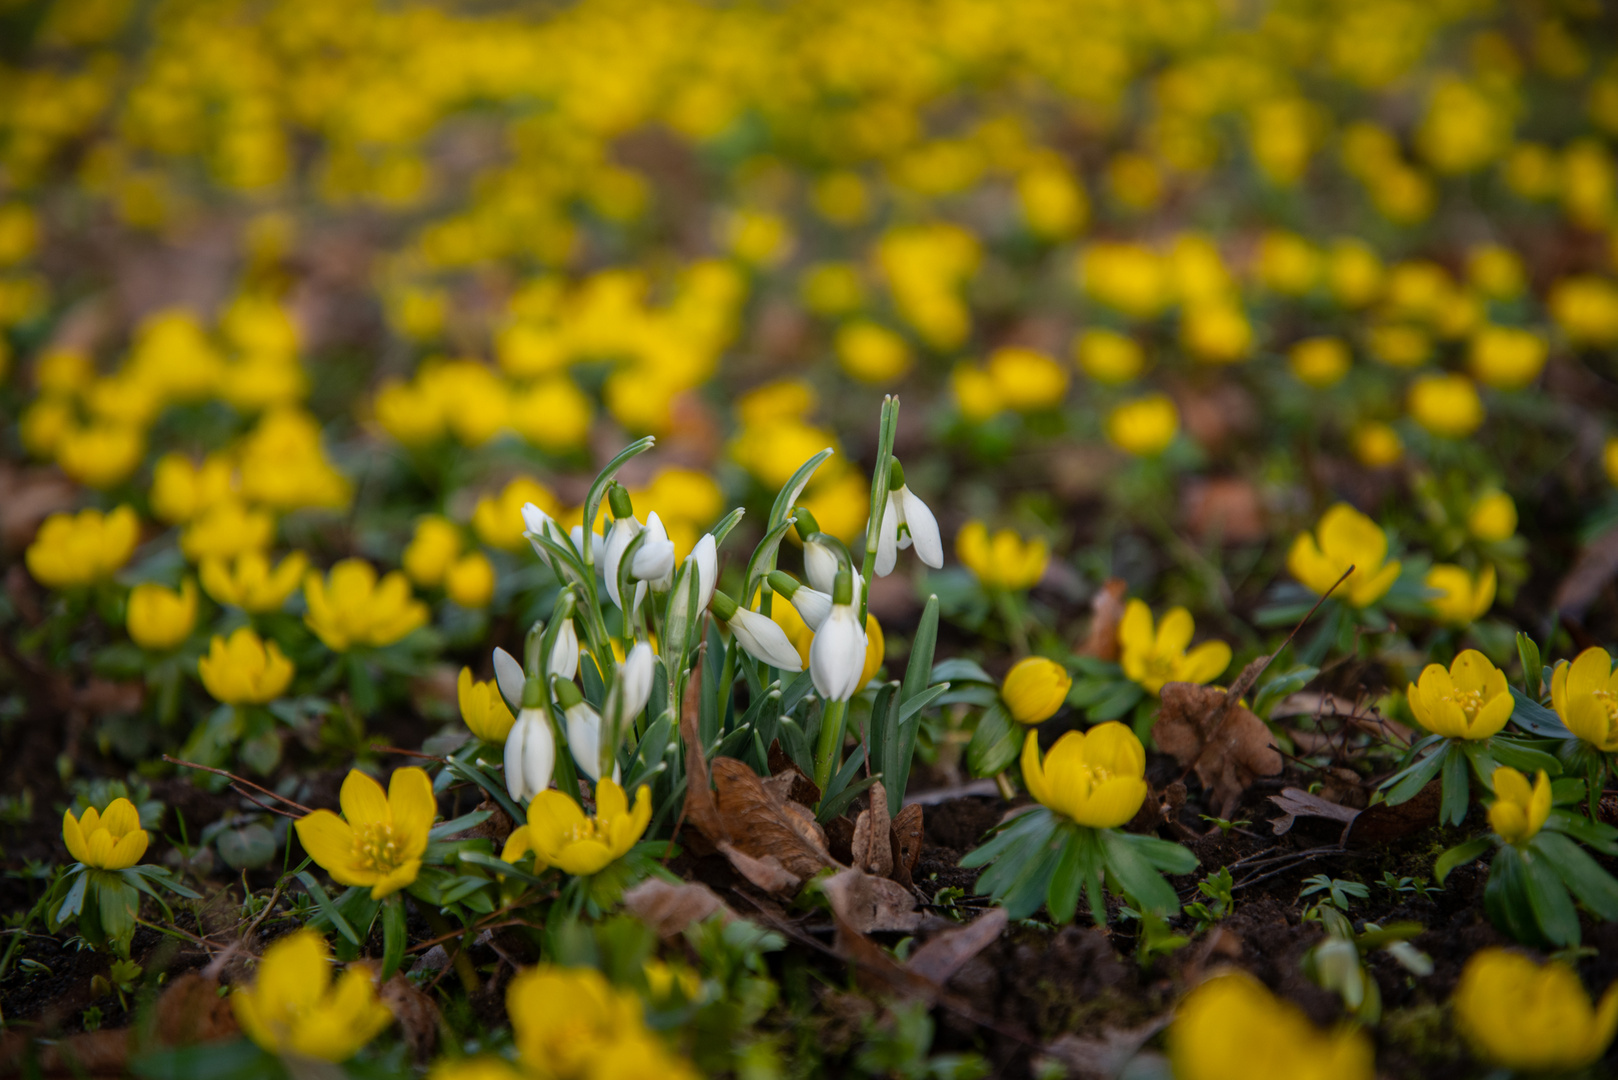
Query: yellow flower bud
{"points": [[469, 581], [553, 414], [483, 709], [1377, 445], [876, 647], [975, 393], [872, 353], [1232, 1026], [498, 520], [1507, 357], [1519, 811], [112, 840], [101, 455], [1005, 561], [1096, 778], [1493, 517], [1468, 700], [435, 545], [226, 530], [1025, 380], [1446, 405], [1319, 361], [1108, 356], [160, 618], [1034, 689], [245, 669], [1532, 1017], [181, 491], [1144, 427], [1462, 598]]}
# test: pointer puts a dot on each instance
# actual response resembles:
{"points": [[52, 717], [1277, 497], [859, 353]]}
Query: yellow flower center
{"points": [[376, 848], [1609, 701], [1161, 667], [585, 830], [1470, 702]]}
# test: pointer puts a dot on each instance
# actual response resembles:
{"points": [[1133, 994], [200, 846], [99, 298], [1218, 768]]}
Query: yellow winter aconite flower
{"points": [[1507, 357], [1343, 538], [249, 583], [379, 840], [1154, 658], [1108, 356], [292, 1008], [872, 353], [1470, 700], [101, 455], [245, 669], [1493, 517], [82, 548], [1004, 561], [1319, 361], [112, 840], [1446, 405], [1585, 695], [350, 607], [1377, 445], [560, 835], [1026, 380], [159, 618], [1232, 1028], [481, 1067], [469, 581], [483, 709], [876, 647], [225, 530], [1034, 689], [1533, 1017], [181, 490], [1096, 778], [435, 545], [497, 519], [572, 1024], [1463, 598], [1144, 427], [1519, 811]]}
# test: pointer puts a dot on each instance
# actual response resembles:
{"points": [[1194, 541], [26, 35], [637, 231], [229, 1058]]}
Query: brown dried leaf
{"points": [[944, 954], [700, 807], [1228, 745], [417, 1015], [767, 872], [907, 832], [670, 907], [1106, 1057], [872, 847], [760, 824], [191, 1011], [1382, 823], [870, 904], [1297, 803], [1107, 611]]}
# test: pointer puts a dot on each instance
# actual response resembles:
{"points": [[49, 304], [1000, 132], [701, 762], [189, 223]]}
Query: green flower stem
{"points": [[879, 494], [829, 754], [1011, 612]]}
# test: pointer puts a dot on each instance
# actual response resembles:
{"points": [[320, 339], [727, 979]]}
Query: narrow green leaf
{"points": [[1553, 907], [1584, 877], [327, 908], [787, 497], [1528, 653], [1460, 855], [920, 665], [1457, 792], [598, 489], [393, 935]]}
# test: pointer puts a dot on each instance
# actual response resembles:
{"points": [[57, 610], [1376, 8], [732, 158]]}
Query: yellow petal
{"points": [[1135, 628], [127, 851], [363, 800], [1589, 673], [329, 841], [583, 857], [1206, 662], [1114, 747], [1033, 773], [73, 837], [413, 807], [1174, 634], [610, 800]]}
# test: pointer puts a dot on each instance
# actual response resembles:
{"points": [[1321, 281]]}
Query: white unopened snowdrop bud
{"points": [[564, 659], [508, 675], [634, 681], [702, 568], [906, 521], [618, 537], [598, 544], [654, 559], [837, 653], [760, 636], [820, 564], [812, 604], [583, 730], [530, 754]]}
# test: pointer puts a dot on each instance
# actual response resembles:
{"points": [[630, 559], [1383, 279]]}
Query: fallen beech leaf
{"points": [[906, 830], [946, 953], [1381, 823], [191, 1011], [760, 824], [700, 808], [1228, 745], [417, 1015], [1227, 509], [1104, 1057], [870, 904], [872, 847], [669, 908], [1297, 803], [1107, 611], [767, 872]]}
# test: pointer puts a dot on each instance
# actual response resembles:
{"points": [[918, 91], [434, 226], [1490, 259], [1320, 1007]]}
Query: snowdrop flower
{"points": [[530, 754], [813, 605], [583, 730], [623, 530], [837, 654], [704, 563], [654, 560], [509, 675], [631, 687], [905, 521], [823, 556], [759, 635]]}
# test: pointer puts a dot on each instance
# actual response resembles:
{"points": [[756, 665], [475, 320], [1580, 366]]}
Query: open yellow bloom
{"points": [[482, 1067], [1320, 361], [876, 648], [293, 1008], [182, 490], [1519, 811], [382, 839], [1232, 1028], [1005, 561], [1446, 405], [498, 520], [1463, 599], [1469, 701], [1026, 380], [431, 550], [82, 548], [1492, 517], [1108, 356], [1585, 695], [112, 840], [1152, 659], [483, 709], [350, 607], [560, 835], [244, 670], [225, 530], [101, 455], [160, 618], [1097, 778], [1144, 427], [1034, 689], [469, 581], [1532, 1017], [1343, 538], [562, 1019], [247, 582], [1377, 445]]}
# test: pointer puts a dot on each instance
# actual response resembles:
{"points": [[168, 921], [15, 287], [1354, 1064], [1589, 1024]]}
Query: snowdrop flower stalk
{"points": [[760, 636], [836, 662], [906, 521]]}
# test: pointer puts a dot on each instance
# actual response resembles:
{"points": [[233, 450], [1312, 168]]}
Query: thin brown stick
{"points": [[430, 942], [263, 805], [238, 779], [407, 753]]}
